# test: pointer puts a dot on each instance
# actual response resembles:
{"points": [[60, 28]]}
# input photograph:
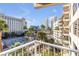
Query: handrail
{"points": [[58, 46], [16, 48]]}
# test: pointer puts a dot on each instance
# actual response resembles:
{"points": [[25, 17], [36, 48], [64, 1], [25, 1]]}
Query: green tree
{"points": [[31, 31], [28, 33], [42, 36], [31, 28], [16, 44], [25, 27], [42, 27], [3, 27]]}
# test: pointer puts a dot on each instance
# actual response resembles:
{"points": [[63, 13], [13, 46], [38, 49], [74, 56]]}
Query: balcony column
{"points": [[35, 49], [72, 44], [43, 50], [48, 51], [39, 49]]}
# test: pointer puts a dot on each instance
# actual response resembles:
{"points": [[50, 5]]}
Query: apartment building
{"points": [[53, 20], [57, 36], [65, 17], [61, 25], [64, 25], [14, 24]]}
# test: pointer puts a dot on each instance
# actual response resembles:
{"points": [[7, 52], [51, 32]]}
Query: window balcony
{"points": [[39, 48]]}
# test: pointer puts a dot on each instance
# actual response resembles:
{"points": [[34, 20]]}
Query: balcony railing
{"points": [[39, 48]]}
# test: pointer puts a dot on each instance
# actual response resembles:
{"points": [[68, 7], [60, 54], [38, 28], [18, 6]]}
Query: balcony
{"points": [[66, 23], [65, 5], [66, 27], [65, 19], [66, 15], [39, 48], [66, 9], [67, 12], [42, 5]]}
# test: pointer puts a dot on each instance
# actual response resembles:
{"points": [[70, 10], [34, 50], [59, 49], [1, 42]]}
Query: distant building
{"points": [[14, 24], [36, 28], [46, 23], [53, 20]]}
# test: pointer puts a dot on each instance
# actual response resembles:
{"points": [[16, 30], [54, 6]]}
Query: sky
{"points": [[32, 15]]}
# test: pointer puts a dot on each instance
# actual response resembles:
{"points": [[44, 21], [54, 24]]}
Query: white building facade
{"points": [[14, 24], [74, 27], [53, 21]]}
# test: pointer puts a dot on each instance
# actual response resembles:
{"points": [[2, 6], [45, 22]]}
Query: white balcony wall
{"points": [[73, 18]]}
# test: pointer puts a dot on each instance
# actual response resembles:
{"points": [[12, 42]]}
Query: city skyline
{"points": [[32, 15]]}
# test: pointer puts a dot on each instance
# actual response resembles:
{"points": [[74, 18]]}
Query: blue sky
{"points": [[32, 15]]}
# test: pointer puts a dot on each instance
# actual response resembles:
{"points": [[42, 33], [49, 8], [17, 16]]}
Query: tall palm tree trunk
{"points": [[1, 47]]}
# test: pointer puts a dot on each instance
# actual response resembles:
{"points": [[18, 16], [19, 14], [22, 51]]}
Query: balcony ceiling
{"points": [[42, 5]]}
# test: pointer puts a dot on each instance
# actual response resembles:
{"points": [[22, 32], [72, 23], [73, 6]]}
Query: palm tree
{"points": [[3, 27]]}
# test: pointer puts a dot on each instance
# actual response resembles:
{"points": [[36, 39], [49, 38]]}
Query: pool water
{"points": [[11, 41]]}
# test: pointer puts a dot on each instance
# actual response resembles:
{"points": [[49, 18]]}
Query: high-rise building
{"points": [[64, 24], [46, 23], [66, 15], [14, 24], [53, 20]]}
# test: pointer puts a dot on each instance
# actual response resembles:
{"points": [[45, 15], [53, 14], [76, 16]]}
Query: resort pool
{"points": [[11, 41]]}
